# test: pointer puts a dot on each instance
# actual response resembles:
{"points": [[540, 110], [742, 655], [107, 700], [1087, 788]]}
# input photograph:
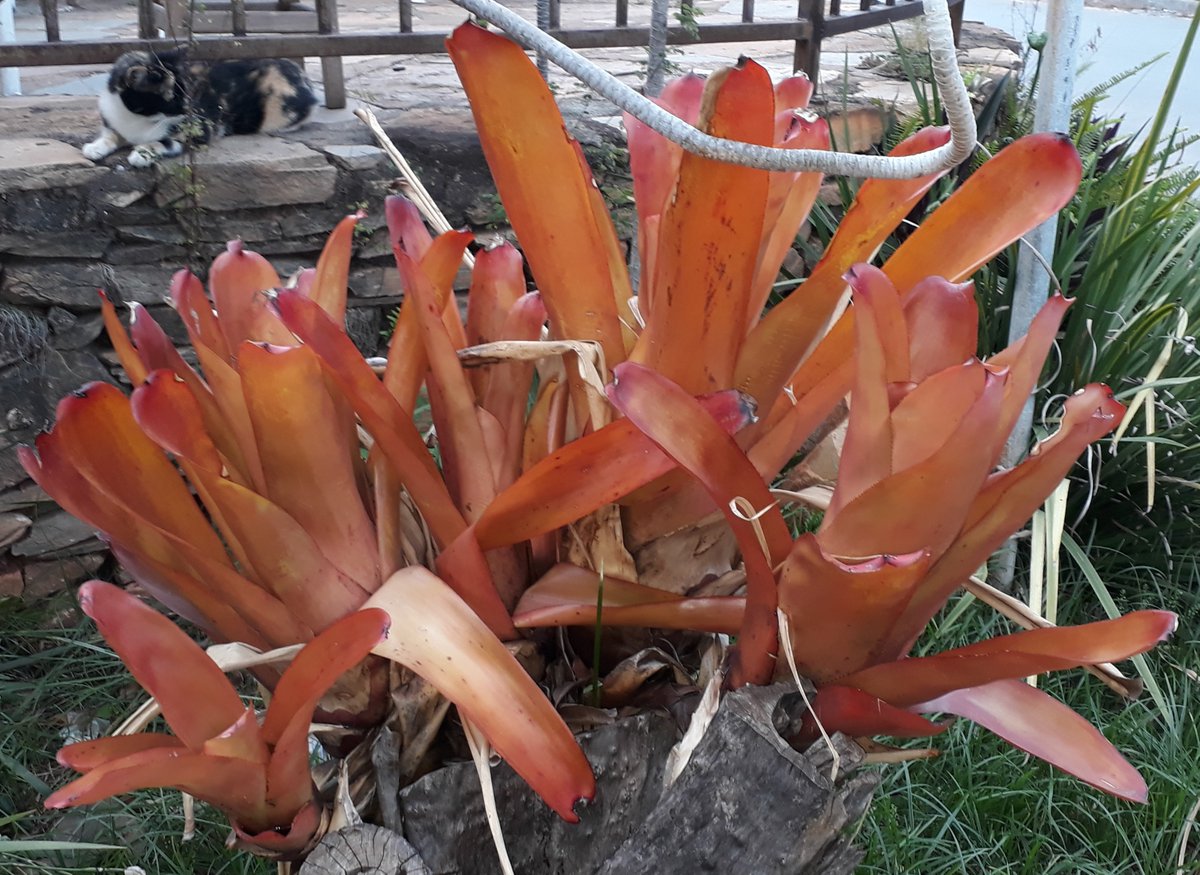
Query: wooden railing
{"points": [[815, 20]]}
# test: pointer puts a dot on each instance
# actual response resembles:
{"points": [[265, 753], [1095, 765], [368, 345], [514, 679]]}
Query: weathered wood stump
{"points": [[746, 803], [363, 850]]}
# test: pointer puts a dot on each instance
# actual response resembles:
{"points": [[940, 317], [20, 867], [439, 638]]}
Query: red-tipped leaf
{"points": [[328, 285], [1029, 719], [196, 698], [449, 646], [907, 682], [681, 427]]}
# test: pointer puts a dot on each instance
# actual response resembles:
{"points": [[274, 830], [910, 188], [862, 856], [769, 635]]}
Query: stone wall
{"points": [[69, 227]]}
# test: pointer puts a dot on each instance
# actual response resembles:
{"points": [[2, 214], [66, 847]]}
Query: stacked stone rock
{"points": [[69, 227]]}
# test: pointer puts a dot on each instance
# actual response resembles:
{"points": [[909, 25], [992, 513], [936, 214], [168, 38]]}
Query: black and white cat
{"points": [[158, 102]]}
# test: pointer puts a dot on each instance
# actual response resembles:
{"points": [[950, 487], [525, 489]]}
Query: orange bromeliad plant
{"points": [[258, 775], [284, 486]]}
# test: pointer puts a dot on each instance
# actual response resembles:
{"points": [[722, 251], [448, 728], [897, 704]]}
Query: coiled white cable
{"points": [[945, 69]]}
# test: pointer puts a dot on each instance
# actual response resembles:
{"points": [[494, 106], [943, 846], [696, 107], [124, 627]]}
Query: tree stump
{"points": [[746, 802], [363, 850]]}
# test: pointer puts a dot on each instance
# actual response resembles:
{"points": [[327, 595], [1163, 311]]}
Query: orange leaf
{"points": [[406, 228], [790, 198], [96, 435], [1025, 360], [196, 698], [1024, 185], [135, 367], [233, 785], [785, 438], [681, 427], [567, 594], [388, 422], [308, 455], [310, 675], [845, 709], [792, 93], [881, 358], [704, 272], [194, 309], [654, 164], [465, 463], [158, 351], [84, 756], [881, 519], [1006, 501], [907, 682], [239, 281], [926, 419], [232, 605], [779, 342], [588, 473], [241, 741], [333, 269], [448, 645], [525, 142], [497, 283], [283, 555], [839, 612], [465, 570], [230, 401], [407, 361], [507, 395], [943, 325], [1029, 719]]}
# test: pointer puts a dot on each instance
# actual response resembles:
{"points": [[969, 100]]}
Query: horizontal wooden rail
{"points": [[389, 43], [837, 25]]}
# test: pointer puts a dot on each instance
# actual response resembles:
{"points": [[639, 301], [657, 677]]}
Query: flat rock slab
{"points": [[35, 163], [55, 534], [355, 157], [13, 527], [73, 120], [73, 284], [247, 172]]}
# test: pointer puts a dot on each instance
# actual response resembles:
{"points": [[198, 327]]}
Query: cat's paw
{"points": [[143, 156], [96, 150]]}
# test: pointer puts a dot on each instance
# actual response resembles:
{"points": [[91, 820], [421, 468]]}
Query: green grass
{"points": [[983, 806], [54, 668]]}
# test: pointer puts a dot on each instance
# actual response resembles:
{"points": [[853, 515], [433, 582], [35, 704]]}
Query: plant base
{"points": [[746, 802]]}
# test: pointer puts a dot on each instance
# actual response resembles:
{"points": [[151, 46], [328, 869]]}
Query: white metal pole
{"points": [[1052, 112], [10, 77]]}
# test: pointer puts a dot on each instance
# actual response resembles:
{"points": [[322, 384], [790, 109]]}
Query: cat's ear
{"points": [[136, 76]]}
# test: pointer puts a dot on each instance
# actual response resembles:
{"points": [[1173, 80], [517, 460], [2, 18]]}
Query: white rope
{"points": [[945, 69]]}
